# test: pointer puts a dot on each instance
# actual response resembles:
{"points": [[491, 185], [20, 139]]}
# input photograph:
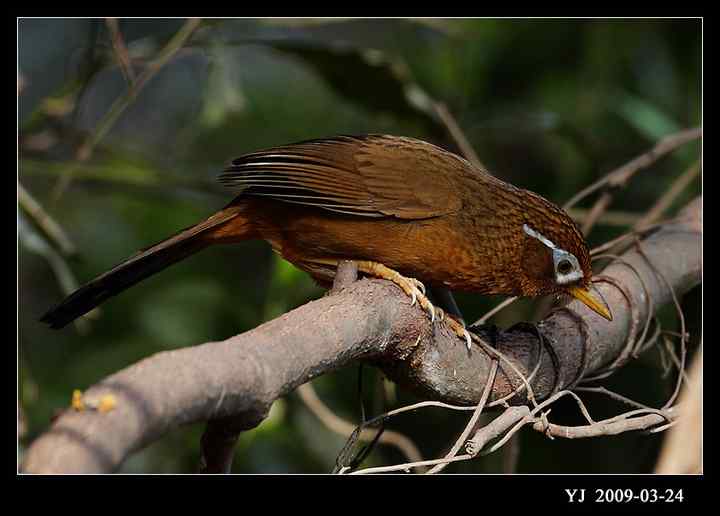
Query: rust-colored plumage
{"points": [[403, 203]]}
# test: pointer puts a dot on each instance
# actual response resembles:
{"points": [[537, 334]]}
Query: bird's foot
{"points": [[416, 290], [457, 325], [418, 284], [412, 287], [459, 328]]}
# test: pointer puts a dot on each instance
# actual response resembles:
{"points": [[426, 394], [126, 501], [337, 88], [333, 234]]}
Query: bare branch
{"points": [[238, 379], [607, 428], [493, 430], [622, 175]]}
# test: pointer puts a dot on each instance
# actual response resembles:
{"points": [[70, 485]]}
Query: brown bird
{"points": [[402, 209]]}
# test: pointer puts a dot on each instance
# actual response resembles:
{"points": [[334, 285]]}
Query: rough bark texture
{"points": [[234, 382]]}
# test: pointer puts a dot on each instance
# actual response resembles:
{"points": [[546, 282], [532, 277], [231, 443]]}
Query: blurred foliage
{"points": [[549, 105]]}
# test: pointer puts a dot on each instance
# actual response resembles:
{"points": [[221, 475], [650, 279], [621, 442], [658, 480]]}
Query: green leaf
{"points": [[648, 119]]}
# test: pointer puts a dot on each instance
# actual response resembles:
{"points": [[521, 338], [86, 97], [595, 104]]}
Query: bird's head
{"points": [[555, 259]]}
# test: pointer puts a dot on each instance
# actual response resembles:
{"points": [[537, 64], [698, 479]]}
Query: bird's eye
{"points": [[564, 267]]}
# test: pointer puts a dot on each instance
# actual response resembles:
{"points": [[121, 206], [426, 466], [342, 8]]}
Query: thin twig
{"points": [[666, 200], [495, 310], [609, 218], [596, 212], [675, 334], [458, 135], [650, 341], [599, 213], [632, 346], [119, 106], [45, 222], [683, 332], [613, 395], [664, 427], [609, 427], [121, 103], [415, 406], [460, 441], [674, 359], [383, 417], [496, 427], [531, 417], [338, 425], [611, 244], [620, 176], [489, 349], [35, 242], [526, 381], [408, 466], [636, 412], [121, 52]]}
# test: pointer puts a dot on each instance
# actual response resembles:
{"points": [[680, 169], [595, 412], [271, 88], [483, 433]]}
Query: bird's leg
{"points": [[345, 274], [416, 290]]}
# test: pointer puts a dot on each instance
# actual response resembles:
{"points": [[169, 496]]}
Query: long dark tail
{"points": [[136, 268]]}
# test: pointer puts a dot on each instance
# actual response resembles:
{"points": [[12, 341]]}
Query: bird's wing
{"points": [[371, 176]]}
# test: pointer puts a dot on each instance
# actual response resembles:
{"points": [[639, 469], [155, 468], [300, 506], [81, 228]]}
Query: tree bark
{"points": [[234, 382]]}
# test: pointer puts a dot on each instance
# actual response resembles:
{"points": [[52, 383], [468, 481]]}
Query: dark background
{"points": [[548, 105]]}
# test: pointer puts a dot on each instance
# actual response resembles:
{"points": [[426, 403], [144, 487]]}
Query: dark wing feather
{"points": [[370, 176]]}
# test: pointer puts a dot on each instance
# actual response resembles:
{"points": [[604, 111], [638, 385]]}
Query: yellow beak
{"points": [[592, 302]]}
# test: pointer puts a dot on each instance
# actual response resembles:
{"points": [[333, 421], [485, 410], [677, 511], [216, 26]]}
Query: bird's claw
{"points": [[460, 331], [419, 285], [416, 290], [431, 309], [418, 296], [468, 339], [437, 313]]}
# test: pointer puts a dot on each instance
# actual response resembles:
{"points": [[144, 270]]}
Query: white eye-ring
{"points": [[566, 266]]}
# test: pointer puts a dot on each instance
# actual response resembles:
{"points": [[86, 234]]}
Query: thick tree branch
{"points": [[236, 381]]}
